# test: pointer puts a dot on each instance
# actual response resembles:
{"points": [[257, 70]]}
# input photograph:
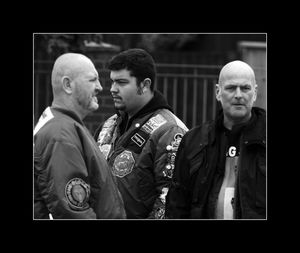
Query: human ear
{"points": [[255, 93], [218, 92], [146, 84], [66, 84]]}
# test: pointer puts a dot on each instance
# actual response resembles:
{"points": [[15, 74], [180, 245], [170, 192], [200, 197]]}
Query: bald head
{"points": [[69, 64], [236, 69], [237, 91]]}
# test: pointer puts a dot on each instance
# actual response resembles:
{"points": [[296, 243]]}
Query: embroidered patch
{"points": [[105, 149], [171, 155], [123, 164], [106, 133], [138, 140], [77, 193], [153, 124]]}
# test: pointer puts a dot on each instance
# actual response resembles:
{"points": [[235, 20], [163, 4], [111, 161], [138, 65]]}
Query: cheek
{"points": [[226, 97], [251, 98], [129, 94]]}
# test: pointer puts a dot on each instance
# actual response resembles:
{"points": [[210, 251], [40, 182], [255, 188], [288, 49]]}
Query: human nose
{"points": [[238, 93], [113, 88], [99, 88]]}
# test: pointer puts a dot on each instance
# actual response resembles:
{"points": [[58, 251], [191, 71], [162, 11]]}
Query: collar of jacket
{"points": [[69, 113], [254, 130], [157, 102]]}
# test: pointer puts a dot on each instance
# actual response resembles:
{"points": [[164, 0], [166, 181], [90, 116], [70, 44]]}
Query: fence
{"points": [[190, 90]]}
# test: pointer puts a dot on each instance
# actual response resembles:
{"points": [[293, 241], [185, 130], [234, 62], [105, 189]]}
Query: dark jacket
{"points": [[196, 167], [138, 154], [71, 176]]}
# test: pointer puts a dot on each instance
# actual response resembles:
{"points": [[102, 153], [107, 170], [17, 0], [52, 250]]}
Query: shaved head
{"points": [[236, 69], [75, 84], [69, 64], [237, 91]]}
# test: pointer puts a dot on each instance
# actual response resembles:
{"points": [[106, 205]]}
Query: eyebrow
{"points": [[234, 84], [119, 79]]}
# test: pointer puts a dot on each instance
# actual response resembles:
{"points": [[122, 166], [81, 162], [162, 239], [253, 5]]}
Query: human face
{"points": [[86, 89], [237, 94], [124, 91]]}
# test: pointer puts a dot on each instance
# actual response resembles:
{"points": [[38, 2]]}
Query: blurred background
{"points": [[187, 67]]}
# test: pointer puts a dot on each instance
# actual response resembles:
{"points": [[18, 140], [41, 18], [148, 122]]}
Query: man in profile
{"points": [[71, 176], [140, 141]]}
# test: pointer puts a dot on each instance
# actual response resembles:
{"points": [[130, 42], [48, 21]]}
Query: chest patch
{"points": [[153, 124], [138, 140], [123, 164]]}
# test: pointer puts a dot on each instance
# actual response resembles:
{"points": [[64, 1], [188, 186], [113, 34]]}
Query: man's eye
{"points": [[230, 88], [246, 88]]}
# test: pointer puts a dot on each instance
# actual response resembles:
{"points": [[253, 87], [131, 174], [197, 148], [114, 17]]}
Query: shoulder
{"points": [[60, 129], [199, 132], [170, 119], [108, 123]]}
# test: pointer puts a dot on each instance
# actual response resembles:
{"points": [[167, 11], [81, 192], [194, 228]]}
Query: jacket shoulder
{"points": [[171, 119], [200, 132], [59, 129], [107, 123]]}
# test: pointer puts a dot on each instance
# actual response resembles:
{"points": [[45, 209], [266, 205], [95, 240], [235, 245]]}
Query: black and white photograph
{"points": [[149, 126]]}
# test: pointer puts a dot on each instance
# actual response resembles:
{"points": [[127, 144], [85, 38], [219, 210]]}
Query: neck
{"points": [[229, 122], [67, 105], [145, 100]]}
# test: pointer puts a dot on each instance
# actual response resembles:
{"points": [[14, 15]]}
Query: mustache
{"points": [[115, 96]]}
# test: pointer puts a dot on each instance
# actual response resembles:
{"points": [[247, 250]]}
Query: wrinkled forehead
{"points": [[237, 71]]}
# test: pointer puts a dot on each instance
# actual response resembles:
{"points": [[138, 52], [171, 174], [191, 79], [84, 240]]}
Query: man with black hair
{"points": [[140, 141]]}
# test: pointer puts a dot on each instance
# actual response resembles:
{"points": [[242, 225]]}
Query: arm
{"points": [[178, 198], [164, 159], [63, 182]]}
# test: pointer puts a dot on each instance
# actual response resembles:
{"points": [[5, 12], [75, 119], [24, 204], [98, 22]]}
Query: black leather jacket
{"points": [[196, 167], [141, 153]]}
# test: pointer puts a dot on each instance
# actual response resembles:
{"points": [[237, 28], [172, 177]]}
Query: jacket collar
{"points": [[253, 131], [69, 113], [157, 102]]}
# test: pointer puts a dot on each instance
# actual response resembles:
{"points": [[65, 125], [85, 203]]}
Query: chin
{"points": [[119, 108], [94, 107]]}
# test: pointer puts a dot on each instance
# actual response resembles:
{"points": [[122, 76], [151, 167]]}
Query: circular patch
{"points": [[123, 164], [77, 193]]}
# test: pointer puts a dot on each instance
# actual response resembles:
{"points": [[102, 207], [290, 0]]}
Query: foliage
{"points": [[52, 45]]}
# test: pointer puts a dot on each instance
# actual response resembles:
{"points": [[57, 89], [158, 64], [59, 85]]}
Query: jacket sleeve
{"points": [[164, 159], [178, 198], [63, 183]]}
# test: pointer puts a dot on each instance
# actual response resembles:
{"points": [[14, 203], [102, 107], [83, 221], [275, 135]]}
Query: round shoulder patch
{"points": [[77, 192]]}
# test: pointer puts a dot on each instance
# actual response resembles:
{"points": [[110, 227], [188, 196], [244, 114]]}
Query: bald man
{"points": [[220, 167], [71, 176]]}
